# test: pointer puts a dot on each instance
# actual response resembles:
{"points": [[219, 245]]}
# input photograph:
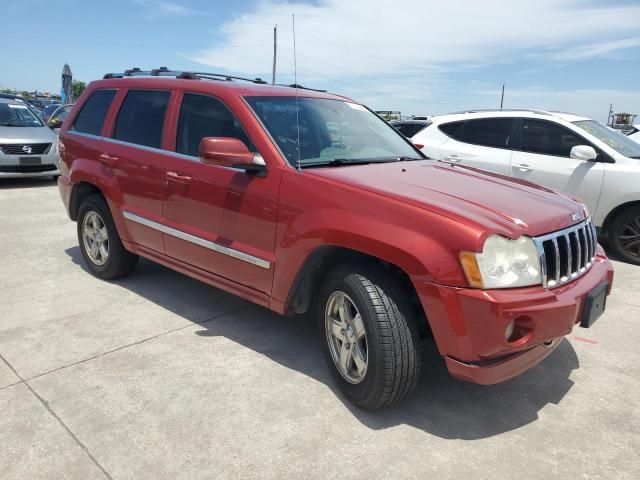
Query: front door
{"points": [[219, 219], [544, 157]]}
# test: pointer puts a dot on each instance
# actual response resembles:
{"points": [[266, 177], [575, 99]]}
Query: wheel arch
{"points": [[80, 192], [323, 258]]}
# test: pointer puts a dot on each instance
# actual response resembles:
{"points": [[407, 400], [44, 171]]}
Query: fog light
{"points": [[509, 331]]}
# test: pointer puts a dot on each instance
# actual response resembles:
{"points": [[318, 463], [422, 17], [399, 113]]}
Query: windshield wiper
{"points": [[357, 161]]}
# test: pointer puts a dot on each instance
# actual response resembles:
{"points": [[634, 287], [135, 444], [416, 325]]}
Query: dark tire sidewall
{"points": [[614, 234], [363, 392]]}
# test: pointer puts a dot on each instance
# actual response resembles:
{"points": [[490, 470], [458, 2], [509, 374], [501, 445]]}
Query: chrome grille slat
{"points": [[566, 254], [556, 259], [578, 251]]}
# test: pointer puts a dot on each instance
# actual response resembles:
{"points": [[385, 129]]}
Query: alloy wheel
{"points": [[630, 237], [347, 337], [95, 238]]}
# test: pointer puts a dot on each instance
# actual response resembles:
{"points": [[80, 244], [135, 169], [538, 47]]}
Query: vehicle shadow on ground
{"points": [[441, 405], [35, 182]]}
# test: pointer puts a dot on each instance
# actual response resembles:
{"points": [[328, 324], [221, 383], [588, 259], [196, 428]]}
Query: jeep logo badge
{"points": [[575, 216], [27, 149]]}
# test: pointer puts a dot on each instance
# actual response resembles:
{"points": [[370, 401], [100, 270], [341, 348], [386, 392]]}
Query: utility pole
{"points": [[275, 43], [502, 97]]}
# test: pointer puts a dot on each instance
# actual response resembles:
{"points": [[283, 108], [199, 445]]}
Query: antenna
{"points": [[295, 81]]}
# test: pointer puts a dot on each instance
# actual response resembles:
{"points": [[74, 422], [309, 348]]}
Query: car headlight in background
{"points": [[503, 263]]}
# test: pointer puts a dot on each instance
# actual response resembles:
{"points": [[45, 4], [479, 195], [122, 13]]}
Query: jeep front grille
{"points": [[566, 254]]}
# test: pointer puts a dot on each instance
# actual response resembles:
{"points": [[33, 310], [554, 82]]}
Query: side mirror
{"points": [[54, 123], [230, 152], [583, 152]]}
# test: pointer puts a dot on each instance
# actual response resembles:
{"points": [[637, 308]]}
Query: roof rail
{"points": [[482, 110], [166, 72]]}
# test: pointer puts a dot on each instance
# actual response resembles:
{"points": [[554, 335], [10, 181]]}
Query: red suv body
{"points": [[298, 199]]}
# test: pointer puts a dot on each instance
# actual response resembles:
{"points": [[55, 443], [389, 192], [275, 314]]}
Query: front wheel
{"points": [[624, 235], [369, 334]]}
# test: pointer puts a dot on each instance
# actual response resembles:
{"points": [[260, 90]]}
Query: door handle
{"points": [[523, 167], [175, 177], [108, 159], [452, 158]]}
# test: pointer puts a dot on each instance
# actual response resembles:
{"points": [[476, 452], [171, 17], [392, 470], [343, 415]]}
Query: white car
{"points": [[635, 133], [563, 151]]}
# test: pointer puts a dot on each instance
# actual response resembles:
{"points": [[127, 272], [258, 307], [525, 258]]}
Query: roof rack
{"points": [[482, 110], [166, 72]]}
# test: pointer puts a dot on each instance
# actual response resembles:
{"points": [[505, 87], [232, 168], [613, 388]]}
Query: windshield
{"points": [[616, 140], [18, 115], [330, 131]]}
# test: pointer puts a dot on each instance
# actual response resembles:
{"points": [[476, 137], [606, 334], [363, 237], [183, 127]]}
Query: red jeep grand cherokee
{"points": [[300, 200]]}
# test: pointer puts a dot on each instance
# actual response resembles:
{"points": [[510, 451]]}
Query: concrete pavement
{"points": [[160, 376]]}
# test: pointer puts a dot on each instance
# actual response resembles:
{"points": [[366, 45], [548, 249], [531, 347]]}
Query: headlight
{"points": [[503, 263]]}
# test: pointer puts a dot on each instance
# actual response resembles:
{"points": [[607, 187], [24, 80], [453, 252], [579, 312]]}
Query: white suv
{"points": [[563, 151]]}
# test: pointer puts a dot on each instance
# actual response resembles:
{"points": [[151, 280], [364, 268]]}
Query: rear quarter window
{"points": [[93, 112], [452, 129]]}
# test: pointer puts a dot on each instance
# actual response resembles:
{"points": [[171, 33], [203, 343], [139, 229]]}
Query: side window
{"points": [[453, 130], [141, 117], [548, 138], [203, 116], [488, 132], [91, 116], [410, 129]]}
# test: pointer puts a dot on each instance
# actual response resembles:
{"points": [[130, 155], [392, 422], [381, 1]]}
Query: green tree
{"points": [[77, 87], [26, 95]]}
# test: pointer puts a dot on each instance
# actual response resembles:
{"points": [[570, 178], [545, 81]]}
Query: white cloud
{"points": [[156, 8], [409, 35], [600, 49], [410, 54]]}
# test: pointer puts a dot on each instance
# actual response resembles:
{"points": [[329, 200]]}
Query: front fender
{"points": [[315, 213]]}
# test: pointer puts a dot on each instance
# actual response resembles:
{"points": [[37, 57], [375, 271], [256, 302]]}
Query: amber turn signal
{"points": [[471, 269]]}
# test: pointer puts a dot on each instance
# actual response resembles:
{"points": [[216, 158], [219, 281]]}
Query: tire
{"points": [[390, 348], [109, 260], [624, 235]]}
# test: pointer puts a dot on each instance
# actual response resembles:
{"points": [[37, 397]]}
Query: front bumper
{"points": [[469, 325], [11, 167]]}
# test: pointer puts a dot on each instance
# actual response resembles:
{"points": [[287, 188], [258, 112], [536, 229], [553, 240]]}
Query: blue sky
{"points": [[417, 56]]}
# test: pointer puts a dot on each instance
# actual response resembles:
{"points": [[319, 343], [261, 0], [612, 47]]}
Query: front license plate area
{"points": [[594, 305], [27, 161]]}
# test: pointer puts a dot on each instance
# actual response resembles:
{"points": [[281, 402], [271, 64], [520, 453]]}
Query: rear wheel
{"points": [[624, 235], [99, 242], [369, 334]]}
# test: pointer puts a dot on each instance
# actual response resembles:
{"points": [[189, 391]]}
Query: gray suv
{"points": [[28, 148]]}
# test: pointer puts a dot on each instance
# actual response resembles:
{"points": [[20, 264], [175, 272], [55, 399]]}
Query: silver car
{"points": [[28, 148]]}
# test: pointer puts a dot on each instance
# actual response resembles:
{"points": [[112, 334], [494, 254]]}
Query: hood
{"points": [[26, 135], [490, 201]]}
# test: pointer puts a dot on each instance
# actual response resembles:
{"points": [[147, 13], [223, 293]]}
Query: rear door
{"points": [[83, 139], [482, 143], [543, 156], [133, 153], [220, 219]]}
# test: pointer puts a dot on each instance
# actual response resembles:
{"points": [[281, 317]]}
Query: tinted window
{"points": [[489, 132], [91, 117], [141, 118], [452, 129], [548, 138], [410, 129], [202, 116]]}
